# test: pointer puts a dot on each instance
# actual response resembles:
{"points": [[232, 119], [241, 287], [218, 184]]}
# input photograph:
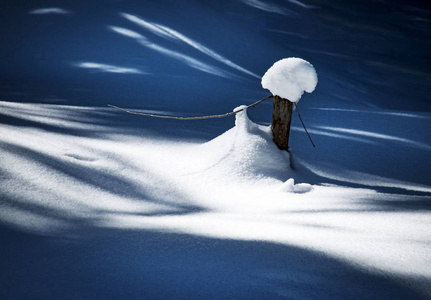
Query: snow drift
{"points": [[68, 171]]}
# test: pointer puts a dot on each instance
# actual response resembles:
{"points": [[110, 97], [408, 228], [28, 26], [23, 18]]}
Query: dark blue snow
{"points": [[367, 53], [373, 59]]}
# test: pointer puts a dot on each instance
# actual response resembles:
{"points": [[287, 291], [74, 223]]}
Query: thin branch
{"points": [[191, 118], [296, 107], [211, 116]]}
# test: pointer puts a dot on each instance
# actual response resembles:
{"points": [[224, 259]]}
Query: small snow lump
{"points": [[289, 78]]}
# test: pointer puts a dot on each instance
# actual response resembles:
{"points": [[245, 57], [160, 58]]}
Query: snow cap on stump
{"points": [[289, 78]]}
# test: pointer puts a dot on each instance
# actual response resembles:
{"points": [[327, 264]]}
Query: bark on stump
{"points": [[281, 117]]}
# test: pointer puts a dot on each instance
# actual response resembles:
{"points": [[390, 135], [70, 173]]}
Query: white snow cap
{"points": [[289, 78]]}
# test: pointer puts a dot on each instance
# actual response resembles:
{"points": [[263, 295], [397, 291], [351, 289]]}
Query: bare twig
{"points": [[209, 117], [296, 107], [191, 118]]}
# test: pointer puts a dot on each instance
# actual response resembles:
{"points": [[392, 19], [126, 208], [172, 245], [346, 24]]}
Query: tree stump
{"points": [[281, 118]]}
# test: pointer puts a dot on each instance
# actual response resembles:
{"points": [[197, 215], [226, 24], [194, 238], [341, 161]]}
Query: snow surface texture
{"points": [[51, 10], [144, 208], [71, 170], [289, 78]]}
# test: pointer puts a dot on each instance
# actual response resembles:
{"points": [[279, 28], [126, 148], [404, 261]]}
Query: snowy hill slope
{"points": [[98, 204], [73, 172], [205, 55]]}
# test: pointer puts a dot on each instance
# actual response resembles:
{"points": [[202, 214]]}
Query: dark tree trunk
{"points": [[281, 117]]}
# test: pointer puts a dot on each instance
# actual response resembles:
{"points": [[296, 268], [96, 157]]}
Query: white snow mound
{"points": [[290, 187], [289, 78], [247, 150]]}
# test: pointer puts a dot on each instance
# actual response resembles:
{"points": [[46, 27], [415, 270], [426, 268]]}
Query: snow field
{"points": [[236, 186]]}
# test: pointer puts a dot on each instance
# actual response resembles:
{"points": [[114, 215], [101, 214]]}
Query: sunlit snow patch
{"points": [[127, 32], [248, 150], [290, 187], [108, 68], [66, 180]]}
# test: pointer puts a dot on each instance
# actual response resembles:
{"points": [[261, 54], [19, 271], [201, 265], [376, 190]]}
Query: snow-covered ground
{"points": [[79, 173], [99, 204]]}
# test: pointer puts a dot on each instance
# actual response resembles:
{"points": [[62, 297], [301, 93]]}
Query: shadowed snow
{"points": [[49, 10], [301, 4], [169, 33], [378, 136], [377, 112], [190, 61], [268, 7], [333, 135]]}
